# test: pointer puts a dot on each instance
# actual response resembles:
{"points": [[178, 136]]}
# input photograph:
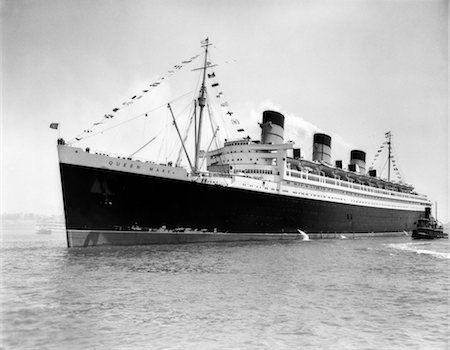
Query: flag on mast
{"points": [[54, 126]]}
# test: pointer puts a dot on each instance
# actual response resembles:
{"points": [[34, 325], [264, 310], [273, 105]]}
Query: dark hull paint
{"points": [[428, 233], [101, 199]]}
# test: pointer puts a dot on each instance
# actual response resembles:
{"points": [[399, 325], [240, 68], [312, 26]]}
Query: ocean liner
{"points": [[249, 190]]}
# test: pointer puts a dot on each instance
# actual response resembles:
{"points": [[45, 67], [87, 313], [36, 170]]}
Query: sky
{"points": [[353, 69]]}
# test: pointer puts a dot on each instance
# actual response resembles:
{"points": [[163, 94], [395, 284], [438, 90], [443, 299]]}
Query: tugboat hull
{"points": [[428, 233]]}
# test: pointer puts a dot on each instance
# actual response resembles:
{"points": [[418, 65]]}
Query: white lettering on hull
{"points": [[75, 156]]}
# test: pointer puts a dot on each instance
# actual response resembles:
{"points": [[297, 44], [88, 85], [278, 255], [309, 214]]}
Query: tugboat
{"points": [[428, 228]]}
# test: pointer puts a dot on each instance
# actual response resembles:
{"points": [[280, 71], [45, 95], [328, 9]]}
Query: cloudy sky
{"points": [[354, 69]]}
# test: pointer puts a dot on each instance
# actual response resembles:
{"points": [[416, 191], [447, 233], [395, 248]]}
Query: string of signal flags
{"points": [[153, 85], [224, 104], [383, 146], [136, 97]]}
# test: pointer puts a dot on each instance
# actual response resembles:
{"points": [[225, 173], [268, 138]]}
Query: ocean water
{"points": [[381, 293]]}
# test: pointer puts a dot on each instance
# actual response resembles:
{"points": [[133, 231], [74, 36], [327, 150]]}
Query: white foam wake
{"points": [[412, 247], [305, 236]]}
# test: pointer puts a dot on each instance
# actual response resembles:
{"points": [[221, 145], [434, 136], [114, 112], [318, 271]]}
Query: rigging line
{"points": [[188, 121], [211, 120], [185, 107], [226, 60], [192, 113], [209, 147], [194, 92], [214, 128], [147, 143], [143, 128], [140, 115], [128, 120], [164, 139], [222, 161], [180, 152], [179, 135], [166, 136], [198, 84], [186, 128], [159, 80], [194, 98], [210, 114], [396, 163], [221, 113], [384, 166], [165, 76], [376, 155], [157, 134], [222, 119]]}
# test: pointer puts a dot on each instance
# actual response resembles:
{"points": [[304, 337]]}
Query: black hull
{"points": [[428, 233], [101, 199]]}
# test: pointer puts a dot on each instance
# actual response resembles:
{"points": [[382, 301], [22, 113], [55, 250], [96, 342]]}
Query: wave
{"points": [[416, 248]]}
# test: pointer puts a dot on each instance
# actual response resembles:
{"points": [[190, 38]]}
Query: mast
{"points": [[195, 127], [201, 104], [389, 155]]}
